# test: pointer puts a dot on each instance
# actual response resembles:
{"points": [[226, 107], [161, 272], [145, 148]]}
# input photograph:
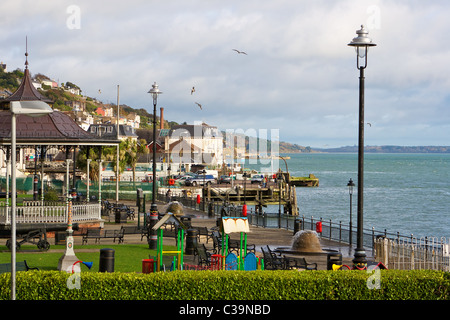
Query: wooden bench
{"points": [[98, 234], [20, 266]]}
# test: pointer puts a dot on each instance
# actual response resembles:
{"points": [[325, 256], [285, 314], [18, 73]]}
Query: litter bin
{"points": [[60, 237], [191, 241], [148, 265], [106, 260], [120, 216], [333, 258]]}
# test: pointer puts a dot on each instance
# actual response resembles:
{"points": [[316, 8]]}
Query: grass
{"points": [[127, 257]]}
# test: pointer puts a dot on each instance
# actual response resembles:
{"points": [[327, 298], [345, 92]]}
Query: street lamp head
{"points": [[30, 108], [362, 42], [350, 186], [154, 91]]}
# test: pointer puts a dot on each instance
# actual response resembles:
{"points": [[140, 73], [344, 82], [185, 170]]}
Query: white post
{"points": [[13, 206]]}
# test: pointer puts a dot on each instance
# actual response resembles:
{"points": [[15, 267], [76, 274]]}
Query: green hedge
{"points": [[230, 285]]}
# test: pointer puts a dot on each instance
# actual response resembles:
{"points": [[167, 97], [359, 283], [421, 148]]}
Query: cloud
{"points": [[299, 75]]}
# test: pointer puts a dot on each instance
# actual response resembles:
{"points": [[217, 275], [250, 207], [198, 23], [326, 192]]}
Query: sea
{"points": [[403, 193]]}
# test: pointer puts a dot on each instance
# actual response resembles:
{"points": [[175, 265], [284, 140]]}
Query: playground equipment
{"points": [[87, 264], [231, 261], [178, 258]]}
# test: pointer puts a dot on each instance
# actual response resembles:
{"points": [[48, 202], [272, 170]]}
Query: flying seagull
{"points": [[199, 105], [239, 51], [369, 124], [192, 90]]}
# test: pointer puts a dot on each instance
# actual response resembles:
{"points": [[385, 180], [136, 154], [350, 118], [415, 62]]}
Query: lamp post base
{"points": [[152, 235], [360, 261], [69, 258]]}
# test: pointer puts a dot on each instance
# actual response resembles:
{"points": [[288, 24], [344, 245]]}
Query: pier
{"points": [[242, 192]]}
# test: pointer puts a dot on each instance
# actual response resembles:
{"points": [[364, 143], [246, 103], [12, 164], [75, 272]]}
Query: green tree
{"points": [[133, 149]]}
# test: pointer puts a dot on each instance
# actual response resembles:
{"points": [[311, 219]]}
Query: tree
{"points": [[132, 150]]}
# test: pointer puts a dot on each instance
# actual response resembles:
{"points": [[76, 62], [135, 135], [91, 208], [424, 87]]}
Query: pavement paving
{"points": [[260, 237]]}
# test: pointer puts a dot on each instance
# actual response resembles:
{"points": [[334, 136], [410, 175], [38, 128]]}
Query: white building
{"points": [[195, 144]]}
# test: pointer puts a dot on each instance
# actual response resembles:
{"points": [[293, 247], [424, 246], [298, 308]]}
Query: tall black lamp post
{"points": [[350, 186], [152, 236], [361, 43]]}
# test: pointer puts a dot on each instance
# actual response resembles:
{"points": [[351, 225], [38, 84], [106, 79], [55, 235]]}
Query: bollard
{"points": [[152, 235], [191, 241], [106, 260], [297, 225]]}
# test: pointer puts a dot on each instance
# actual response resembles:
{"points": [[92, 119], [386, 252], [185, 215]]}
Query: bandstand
{"points": [[53, 130]]}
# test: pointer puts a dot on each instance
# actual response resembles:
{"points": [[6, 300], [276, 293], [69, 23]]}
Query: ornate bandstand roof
{"points": [[56, 128]]}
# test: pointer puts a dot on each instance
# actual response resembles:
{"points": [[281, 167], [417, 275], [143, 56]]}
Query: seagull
{"points": [[239, 51], [199, 105], [369, 123], [192, 90]]}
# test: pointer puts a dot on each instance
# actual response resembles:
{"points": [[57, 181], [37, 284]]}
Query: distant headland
{"points": [[388, 149]]}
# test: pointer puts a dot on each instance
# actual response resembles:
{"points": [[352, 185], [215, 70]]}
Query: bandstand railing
{"points": [[56, 213]]}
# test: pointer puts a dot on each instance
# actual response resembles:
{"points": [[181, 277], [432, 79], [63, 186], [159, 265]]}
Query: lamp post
{"points": [[361, 43], [152, 236], [34, 109], [350, 186]]}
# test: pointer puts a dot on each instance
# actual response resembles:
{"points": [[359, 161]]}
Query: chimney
{"points": [[161, 119]]}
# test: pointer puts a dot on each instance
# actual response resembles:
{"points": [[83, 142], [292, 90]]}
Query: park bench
{"points": [[98, 234], [203, 255], [300, 263], [20, 266], [273, 261], [233, 245], [129, 230], [203, 231]]}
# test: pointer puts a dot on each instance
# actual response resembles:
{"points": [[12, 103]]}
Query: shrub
{"points": [[230, 285]]}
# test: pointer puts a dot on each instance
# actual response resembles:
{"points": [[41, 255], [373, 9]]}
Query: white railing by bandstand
{"points": [[51, 214], [413, 254]]}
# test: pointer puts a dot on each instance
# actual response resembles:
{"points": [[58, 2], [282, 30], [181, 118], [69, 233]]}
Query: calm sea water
{"points": [[405, 193]]}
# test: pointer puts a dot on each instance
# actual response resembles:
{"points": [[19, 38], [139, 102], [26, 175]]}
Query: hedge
{"points": [[230, 285]]}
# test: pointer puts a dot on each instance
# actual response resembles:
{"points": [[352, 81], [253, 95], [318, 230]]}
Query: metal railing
{"points": [[51, 214], [395, 250], [409, 254]]}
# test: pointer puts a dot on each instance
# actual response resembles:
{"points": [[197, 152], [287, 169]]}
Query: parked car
{"points": [[257, 178], [198, 180], [224, 179]]}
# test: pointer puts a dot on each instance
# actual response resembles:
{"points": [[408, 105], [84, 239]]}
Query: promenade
{"points": [[260, 237]]}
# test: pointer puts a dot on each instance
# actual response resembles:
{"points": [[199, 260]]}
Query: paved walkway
{"points": [[260, 237]]}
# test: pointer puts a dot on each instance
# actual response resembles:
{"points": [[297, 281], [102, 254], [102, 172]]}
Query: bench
{"points": [[98, 234], [273, 261], [129, 230], [20, 266], [203, 255], [300, 263], [233, 245], [203, 231]]}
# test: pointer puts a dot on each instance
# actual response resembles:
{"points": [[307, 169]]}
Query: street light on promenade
{"points": [[34, 109], [152, 237], [350, 186], [361, 43]]}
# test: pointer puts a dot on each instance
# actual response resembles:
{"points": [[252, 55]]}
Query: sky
{"points": [[298, 78]]}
